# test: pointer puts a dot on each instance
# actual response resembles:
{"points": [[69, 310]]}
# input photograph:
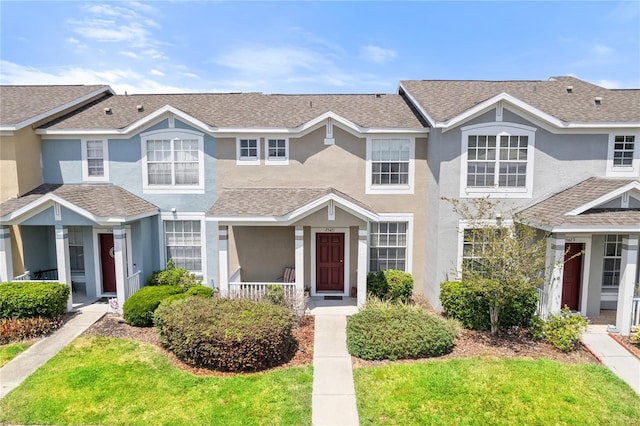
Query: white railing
{"points": [[133, 283], [543, 303], [635, 312], [26, 276], [267, 291]]}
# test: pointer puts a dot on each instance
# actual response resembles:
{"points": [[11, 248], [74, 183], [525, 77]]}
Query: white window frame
{"points": [[618, 244], [172, 135], [75, 230], [623, 171], [497, 129], [407, 188], [276, 161], [396, 217], [85, 160], [186, 216], [464, 225], [248, 161]]}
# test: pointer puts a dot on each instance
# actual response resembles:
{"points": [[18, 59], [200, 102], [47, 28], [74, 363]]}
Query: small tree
{"points": [[503, 253]]}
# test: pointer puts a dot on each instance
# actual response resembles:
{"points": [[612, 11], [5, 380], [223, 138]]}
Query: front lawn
{"points": [[482, 391], [108, 381], [11, 350]]}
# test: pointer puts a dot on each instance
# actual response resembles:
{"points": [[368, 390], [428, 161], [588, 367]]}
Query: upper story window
{"points": [[173, 161], [277, 151], [497, 158], [624, 156], [95, 159], [390, 165], [248, 151]]}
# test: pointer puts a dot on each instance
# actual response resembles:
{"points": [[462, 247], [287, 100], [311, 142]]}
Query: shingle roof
{"points": [[101, 200], [446, 99], [270, 202], [247, 110], [20, 103], [552, 211]]}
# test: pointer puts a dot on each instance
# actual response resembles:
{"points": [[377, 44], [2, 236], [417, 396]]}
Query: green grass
{"points": [[487, 391], [11, 350], [108, 381]]}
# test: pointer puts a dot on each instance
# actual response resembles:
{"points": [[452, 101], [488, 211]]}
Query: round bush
{"points": [[26, 299], [397, 331], [199, 290], [227, 335], [390, 284], [139, 308]]}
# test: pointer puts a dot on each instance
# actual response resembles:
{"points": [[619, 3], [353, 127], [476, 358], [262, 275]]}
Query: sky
{"points": [[314, 47]]}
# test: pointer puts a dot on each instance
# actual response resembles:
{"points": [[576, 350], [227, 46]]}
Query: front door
{"points": [[572, 275], [108, 263], [330, 262]]}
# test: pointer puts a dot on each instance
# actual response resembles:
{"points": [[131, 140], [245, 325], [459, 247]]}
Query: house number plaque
{"points": [[329, 229]]}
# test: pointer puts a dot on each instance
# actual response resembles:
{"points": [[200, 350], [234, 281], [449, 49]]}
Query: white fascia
{"points": [[635, 185]]}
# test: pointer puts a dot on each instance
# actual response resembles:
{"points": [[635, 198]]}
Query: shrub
{"points": [[227, 335], [275, 294], [562, 330], [635, 338], [199, 291], [173, 276], [397, 331], [138, 309], [390, 284], [33, 299], [467, 302], [12, 329]]}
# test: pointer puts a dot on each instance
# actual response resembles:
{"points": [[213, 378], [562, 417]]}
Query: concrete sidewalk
{"points": [[15, 371], [613, 355], [334, 396]]}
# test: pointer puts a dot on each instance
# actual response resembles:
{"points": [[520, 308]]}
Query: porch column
{"points": [[62, 260], [628, 269], [555, 268], [299, 251], [6, 261], [363, 250], [223, 260], [119, 258]]}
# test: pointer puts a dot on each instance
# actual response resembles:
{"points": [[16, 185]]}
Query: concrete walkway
{"points": [[613, 355], [334, 397], [15, 371]]}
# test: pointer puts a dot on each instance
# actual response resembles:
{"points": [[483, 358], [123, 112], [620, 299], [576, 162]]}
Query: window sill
{"points": [[389, 189], [248, 162], [173, 190], [496, 193]]}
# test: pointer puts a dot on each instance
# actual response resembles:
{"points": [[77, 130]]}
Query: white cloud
{"points": [[601, 49], [128, 54], [376, 54], [609, 84], [157, 72], [273, 61]]}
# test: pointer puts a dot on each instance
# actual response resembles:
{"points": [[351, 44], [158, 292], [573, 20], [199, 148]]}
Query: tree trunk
{"points": [[494, 313]]}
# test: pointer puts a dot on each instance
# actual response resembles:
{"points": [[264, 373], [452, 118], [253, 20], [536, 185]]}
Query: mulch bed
{"points": [[625, 341]]}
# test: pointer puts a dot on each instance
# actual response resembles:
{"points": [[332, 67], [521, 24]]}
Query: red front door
{"points": [[330, 262], [108, 263], [572, 276]]}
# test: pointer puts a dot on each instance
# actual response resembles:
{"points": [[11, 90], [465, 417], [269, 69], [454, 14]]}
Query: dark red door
{"points": [[572, 276], [108, 263], [330, 262]]}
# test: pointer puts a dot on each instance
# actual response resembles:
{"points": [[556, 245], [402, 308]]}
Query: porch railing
{"points": [[635, 312], [543, 303], [259, 291], [26, 276], [133, 283]]}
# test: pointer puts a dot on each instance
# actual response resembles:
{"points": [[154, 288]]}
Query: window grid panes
{"points": [[277, 149], [76, 249], [183, 244], [390, 161], [173, 162], [248, 149], [485, 159], [623, 148], [611, 260], [388, 246], [95, 158]]}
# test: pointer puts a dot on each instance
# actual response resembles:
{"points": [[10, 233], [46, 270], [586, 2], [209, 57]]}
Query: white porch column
{"points": [[555, 269], [6, 261], [223, 260], [120, 259], [63, 263], [363, 250], [628, 270], [299, 253]]}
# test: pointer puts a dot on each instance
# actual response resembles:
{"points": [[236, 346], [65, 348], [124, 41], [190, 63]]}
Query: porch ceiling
{"points": [[99, 202], [579, 207]]}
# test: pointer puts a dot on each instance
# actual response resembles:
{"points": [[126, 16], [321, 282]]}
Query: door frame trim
{"points": [[97, 263], [347, 249], [586, 262]]}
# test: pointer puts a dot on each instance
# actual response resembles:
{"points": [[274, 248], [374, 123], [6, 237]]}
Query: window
{"points": [[277, 152], [390, 166], [611, 261], [94, 160], [477, 245], [248, 151], [183, 244], [173, 162], [623, 149], [76, 249], [498, 160], [388, 246]]}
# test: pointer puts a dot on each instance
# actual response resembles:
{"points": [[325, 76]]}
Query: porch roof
{"points": [[98, 202], [280, 204], [581, 206]]}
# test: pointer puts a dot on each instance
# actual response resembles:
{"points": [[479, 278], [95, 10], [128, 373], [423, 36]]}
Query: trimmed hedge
{"points": [[198, 290], [227, 335], [27, 299], [465, 302], [173, 276], [390, 284], [139, 308], [397, 331], [15, 329]]}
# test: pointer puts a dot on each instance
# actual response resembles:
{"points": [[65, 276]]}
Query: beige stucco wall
{"points": [[262, 252]]}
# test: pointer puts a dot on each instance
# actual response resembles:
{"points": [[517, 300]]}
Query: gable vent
{"points": [[569, 89], [598, 100]]}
